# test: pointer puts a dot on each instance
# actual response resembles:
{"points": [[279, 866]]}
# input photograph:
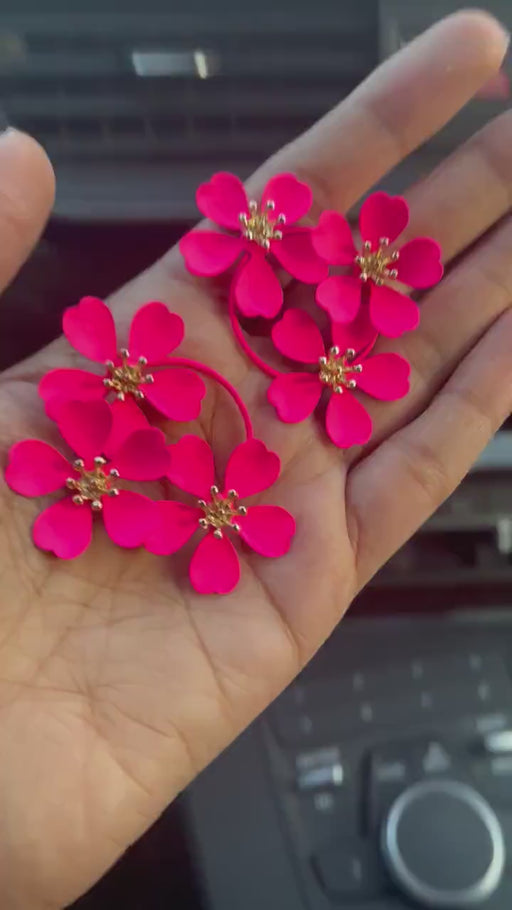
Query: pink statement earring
{"points": [[104, 420]]}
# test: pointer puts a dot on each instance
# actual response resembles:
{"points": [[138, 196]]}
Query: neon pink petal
{"points": [[223, 200], [251, 468], [296, 254], [89, 328], [347, 421], [420, 264], [332, 239], [256, 286], [86, 426], [129, 518], [209, 253], [35, 468], [192, 467], [176, 393], [340, 295], [360, 334], [391, 312], [63, 529], [143, 456], [384, 376], [383, 216], [154, 332], [298, 337], [291, 197], [174, 526], [66, 385], [295, 395], [214, 568], [126, 418], [268, 530]]}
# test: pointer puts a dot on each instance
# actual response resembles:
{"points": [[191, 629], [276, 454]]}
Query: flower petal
{"points": [[63, 529], [89, 328], [174, 526], [360, 334], [298, 337], [35, 468], [420, 263], [384, 376], [347, 421], [208, 252], [295, 395], [256, 286], [214, 568], [296, 254], [154, 332], [144, 455], [340, 295], [223, 200], [192, 468], [86, 426], [268, 530], [383, 216], [66, 385], [291, 197], [251, 468], [177, 393], [332, 239], [391, 312], [126, 418], [129, 518]]}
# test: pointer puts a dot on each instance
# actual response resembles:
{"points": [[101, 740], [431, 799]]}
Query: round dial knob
{"points": [[443, 844]]}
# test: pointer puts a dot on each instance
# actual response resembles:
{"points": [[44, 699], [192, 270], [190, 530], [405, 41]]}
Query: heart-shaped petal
{"points": [[298, 337], [295, 395], [214, 568], [89, 328], [419, 264], [383, 216], [86, 426], [391, 312], [129, 518], [268, 530], [340, 295], [209, 253], [256, 286], [155, 332], [35, 468], [251, 468], [63, 529], [332, 239], [59, 386], [223, 200], [384, 376], [290, 197], [144, 455], [347, 421], [175, 524], [192, 468], [296, 254]]}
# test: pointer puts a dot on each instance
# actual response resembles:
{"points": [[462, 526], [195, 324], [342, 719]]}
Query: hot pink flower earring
{"points": [[115, 445], [258, 230]]}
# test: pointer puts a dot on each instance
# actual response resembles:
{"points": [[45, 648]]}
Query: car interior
{"points": [[381, 779]]}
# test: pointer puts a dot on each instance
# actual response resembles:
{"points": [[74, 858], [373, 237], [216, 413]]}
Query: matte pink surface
{"points": [[35, 468], [223, 200], [292, 198], [297, 255], [332, 239], [128, 518], [268, 530], [58, 386], [155, 332], [63, 529], [86, 426], [144, 455], [298, 337], [340, 296], [214, 567], [89, 328], [393, 313], [347, 421], [176, 393], [192, 467], [126, 418], [257, 288], [360, 334], [381, 216], [295, 395], [176, 523], [210, 253], [251, 468], [420, 264], [385, 376]]}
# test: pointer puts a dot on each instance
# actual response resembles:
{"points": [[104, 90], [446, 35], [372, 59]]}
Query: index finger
{"points": [[400, 105]]}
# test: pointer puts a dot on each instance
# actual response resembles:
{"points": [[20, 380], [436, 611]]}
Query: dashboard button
{"points": [[351, 870]]}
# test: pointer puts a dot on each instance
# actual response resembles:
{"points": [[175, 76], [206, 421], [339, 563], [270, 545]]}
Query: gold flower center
{"points": [[220, 511], [374, 264], [336, 371], [92, 484], [126, 378], [259, 226]]}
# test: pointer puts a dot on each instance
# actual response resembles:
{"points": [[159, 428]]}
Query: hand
{"points": [[118, 684]]}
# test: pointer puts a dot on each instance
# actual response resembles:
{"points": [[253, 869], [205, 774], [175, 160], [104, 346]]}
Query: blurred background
{"points": [[353, 789]]}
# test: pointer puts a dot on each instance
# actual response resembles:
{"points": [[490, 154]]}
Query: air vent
{"points": [[226, 86]]}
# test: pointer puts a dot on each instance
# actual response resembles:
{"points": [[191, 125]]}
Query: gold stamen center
{"points": [[259, 226], [374, 264], [126, 378], [92, 484], [336, 370], [220, 511]]}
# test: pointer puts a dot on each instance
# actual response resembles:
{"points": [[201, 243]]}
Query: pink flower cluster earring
{"points": [[103, 419], [363, 303]]}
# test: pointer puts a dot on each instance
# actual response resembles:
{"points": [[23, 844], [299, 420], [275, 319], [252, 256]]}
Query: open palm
{"points": [[117, 682]]}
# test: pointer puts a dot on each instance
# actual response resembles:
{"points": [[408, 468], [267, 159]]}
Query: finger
{"points": [[392, 492], [455, 315], [467, 193], [402, 103], [26, 197]]}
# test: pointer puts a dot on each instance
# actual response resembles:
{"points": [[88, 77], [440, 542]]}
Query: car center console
{"points": [[380, 780]]}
